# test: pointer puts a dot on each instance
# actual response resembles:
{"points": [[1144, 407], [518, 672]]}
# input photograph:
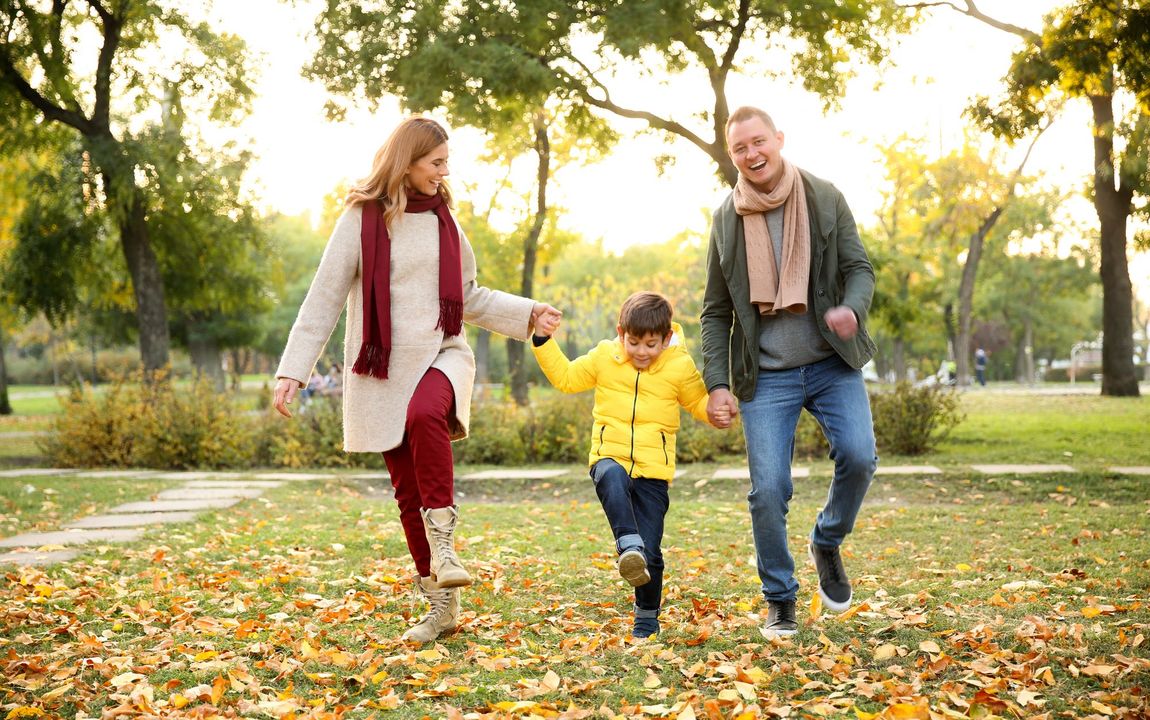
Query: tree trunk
{"points": [[147, 286], [5, 405], [966, 295], [1113, 206], [515, 363], [207, 359], [482, 356], [898, 351]]}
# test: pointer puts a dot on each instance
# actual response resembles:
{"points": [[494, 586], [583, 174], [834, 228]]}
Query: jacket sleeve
{"points": [[854, 265], [325, 300], [494, 310], [692, 392], [565, 375], [716, 317]]}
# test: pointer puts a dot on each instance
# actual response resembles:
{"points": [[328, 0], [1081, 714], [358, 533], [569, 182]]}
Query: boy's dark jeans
{"points": [[635, 509]]}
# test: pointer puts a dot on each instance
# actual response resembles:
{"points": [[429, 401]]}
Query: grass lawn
{"points": [[41, 504], [974, 597]]}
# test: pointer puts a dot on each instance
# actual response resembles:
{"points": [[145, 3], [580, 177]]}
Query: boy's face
{"points": [[643, 350]]}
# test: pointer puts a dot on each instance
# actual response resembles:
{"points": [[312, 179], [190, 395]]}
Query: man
{"points": [[783, 328]]}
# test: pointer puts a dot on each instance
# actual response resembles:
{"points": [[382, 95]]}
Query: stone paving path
{"points": [[207, 491]]}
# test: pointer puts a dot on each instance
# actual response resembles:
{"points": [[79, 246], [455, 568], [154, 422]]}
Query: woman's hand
{"points": [[285, 391], [545, 319]]}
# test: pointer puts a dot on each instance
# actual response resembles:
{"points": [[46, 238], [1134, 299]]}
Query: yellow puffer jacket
{"points": [[636, 411]]}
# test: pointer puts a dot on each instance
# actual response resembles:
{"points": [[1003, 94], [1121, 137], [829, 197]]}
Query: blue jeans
{"points": [[635, 509], [834, 393]]}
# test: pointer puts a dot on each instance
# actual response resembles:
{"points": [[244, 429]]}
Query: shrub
{"points": [[699, 442], [312, 438], [155, 425], [911, 420], [560, 428], [497, 435]]}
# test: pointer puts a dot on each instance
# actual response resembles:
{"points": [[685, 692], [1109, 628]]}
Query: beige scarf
{"points": [[772, 290]]}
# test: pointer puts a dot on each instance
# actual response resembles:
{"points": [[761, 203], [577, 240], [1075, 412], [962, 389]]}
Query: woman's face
{"points": [[426, 173]]}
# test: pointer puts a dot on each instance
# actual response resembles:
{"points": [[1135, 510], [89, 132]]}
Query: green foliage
{"points": [[911, 420], [150, 425], [499, 432], [313, 438]]}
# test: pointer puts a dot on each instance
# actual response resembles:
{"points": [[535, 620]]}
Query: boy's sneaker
{"points": [[780, 619], [834, 585], [645, 627], [633, 567]]}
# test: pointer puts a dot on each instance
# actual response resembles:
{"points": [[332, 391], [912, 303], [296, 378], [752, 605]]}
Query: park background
{"points": [[170, 205]]}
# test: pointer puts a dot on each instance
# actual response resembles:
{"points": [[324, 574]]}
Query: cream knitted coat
{"points": [[374, 410]]}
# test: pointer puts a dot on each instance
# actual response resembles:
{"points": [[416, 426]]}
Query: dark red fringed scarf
{"points": [[375, 352]]}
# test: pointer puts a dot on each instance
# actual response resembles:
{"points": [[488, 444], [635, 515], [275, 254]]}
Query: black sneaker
{"points": [[780, 619], [834, 585]]}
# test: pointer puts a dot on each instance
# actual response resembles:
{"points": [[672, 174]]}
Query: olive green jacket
{"points": [[841, 274]]}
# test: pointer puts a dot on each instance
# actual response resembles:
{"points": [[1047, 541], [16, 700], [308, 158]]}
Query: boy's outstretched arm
{"points": [[567, 376], [693, 396]]}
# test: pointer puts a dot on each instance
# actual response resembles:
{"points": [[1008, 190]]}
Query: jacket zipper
{"points": [[666, 460], [602, 429], [634, 411]]}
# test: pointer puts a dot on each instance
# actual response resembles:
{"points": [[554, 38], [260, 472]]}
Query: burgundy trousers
{"points": [[421, 467]]}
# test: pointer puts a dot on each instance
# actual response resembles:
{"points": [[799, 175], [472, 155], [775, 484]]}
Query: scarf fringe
{"points": [[373, 361], [450, 317]]}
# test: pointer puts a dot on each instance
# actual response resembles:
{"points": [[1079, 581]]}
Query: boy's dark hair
{"points": [[646, 313]]}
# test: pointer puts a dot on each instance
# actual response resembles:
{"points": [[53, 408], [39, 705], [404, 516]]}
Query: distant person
{"points": [[403, 267], [640, 378], [784, 314], [980, 366]]}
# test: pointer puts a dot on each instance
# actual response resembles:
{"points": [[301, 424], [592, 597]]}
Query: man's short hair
{"points": [[746, 112], [646, 313]]}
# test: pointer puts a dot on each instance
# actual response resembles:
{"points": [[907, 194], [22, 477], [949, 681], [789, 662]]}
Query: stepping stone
{"points": [[31, 472], [745, 473], [908, 470], [1130, 470], [1022, 469], [512, 474], [132, 520], [37, 557], [208, 493], [157, 506], [233, 484], [71, 537], [199, 475], [293, 476], [116, 473], [364, 476]]}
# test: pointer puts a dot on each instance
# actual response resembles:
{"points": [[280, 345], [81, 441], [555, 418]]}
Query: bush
{"points": [[313, 438], [911, 420], [150, 425], [560, 428], [497, 435]]}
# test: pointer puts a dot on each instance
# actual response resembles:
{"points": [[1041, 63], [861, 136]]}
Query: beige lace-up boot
{"points": [[446, 570], [441, 618]]}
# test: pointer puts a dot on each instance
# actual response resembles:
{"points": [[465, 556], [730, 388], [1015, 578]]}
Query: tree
{"points": [[141, 48], [467, 61], [1097, 51]]}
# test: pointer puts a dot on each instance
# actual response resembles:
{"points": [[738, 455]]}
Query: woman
{"points": [[399, 261]]}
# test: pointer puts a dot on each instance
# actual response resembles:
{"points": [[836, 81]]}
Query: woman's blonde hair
{"points": [[411, 140]]}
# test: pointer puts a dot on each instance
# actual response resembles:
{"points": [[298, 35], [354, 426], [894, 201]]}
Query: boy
{"points": [[640, 379]]}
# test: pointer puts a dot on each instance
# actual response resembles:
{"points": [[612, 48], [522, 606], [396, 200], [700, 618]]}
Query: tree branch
{"points": [[971, 10], [113, 24], [49, 109]]}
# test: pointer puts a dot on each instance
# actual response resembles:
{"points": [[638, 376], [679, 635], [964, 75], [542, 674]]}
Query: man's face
{"points": [[755, 149], [644, 350]]}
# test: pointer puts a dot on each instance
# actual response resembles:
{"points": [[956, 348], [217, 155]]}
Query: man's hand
{"points": [[842, 321], [721, 408]]}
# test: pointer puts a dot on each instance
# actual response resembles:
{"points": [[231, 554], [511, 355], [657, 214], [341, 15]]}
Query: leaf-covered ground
{"points": [[975, 597]]}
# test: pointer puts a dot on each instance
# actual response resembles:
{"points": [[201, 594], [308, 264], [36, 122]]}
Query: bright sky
{"points": [[302, 156]]}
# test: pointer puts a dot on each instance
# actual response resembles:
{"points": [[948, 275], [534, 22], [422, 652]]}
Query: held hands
{"points": [[721, 408], [285, 391], [545, 319], [842, 321]]}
